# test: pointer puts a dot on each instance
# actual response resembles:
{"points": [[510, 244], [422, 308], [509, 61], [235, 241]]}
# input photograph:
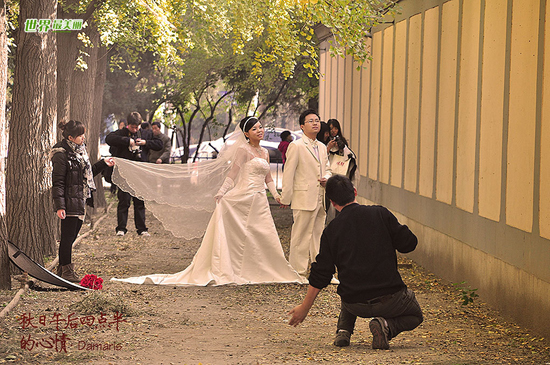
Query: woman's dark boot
{"points": [[67, 273]]}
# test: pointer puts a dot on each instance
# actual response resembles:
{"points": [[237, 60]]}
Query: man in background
{"points": [[127, 143], [162, 155]]}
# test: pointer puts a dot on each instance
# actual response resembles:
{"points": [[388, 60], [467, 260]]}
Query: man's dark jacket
{"points": [[68, 179], [361, 242], [119, 141]]}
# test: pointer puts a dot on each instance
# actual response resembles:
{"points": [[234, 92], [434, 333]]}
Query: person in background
{"points": [[361, 243], [337, 140], [126, 143], [108, 172], [145, 133], [342, 159], [286, 138], [324, 134], [73, 184], [163, 155]]}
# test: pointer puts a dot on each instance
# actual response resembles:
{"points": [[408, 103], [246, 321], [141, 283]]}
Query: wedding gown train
{"points": [[240, 245]]}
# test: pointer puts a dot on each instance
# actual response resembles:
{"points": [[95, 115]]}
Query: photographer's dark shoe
{"points": [[379, 329], [342, 338]]}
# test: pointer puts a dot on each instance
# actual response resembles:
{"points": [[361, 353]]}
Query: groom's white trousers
{"points": [[305, 237]]}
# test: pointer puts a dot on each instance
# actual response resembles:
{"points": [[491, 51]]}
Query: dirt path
{"points": [[235, 325]]}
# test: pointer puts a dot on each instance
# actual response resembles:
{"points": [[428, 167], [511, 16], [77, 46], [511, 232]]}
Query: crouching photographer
{"points": [[127, 143]]}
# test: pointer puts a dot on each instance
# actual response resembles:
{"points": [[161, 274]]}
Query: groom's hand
{"points": [[282, 206]]}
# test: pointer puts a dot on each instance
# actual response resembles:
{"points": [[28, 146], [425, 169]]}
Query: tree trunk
{"points": [[49, 116], [30, 213], [97, 121], [183, 131], [5, 279], [274, 101], [229, 122], [3, 124], [67, 55], [209, 119], [82, 96]]}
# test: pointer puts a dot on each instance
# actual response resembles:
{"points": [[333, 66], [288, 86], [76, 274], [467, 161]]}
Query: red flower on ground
{"points": [[91, 281]]}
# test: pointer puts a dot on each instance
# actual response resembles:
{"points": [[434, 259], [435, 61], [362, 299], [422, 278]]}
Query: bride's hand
{"points": [[278, 200]]}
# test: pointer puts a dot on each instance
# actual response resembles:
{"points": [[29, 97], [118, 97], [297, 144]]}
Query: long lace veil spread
{"points": [[180, 196]]}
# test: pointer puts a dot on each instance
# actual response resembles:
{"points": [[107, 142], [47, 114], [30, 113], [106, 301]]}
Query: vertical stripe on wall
{"points": [[492, 104], [447, 101], [428, 106], [353, 140], [522, 120], [363, 152], [338, 113], [322, 80], [544, 200], [413, 102], [375, 106], [385, 110], [467, 105], [336, 88], [328, 82], [345, 122], [398, 115]]}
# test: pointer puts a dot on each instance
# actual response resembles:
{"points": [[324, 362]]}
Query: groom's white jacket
{"points": [[302, 173]]}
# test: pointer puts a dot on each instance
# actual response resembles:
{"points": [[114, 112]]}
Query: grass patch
{"points": [[97, 302]]}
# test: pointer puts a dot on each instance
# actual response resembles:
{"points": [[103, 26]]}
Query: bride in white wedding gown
{"points": [[241, 244]]}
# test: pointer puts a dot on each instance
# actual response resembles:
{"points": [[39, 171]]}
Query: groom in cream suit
{"points": [[306, 171]]}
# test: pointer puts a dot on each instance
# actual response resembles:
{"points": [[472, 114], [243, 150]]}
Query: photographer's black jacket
{"points": [[361, 242], [119, 141], [68, 179]]}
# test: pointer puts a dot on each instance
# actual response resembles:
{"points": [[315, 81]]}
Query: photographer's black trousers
{"points": [[124, 201]]}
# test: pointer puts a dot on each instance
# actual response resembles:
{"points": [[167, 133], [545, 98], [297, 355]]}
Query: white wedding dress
{"points": [[241, 244]]}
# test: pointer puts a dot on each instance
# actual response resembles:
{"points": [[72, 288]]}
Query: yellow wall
{"points": [[521, 128], [340, 93], [467, 105], [385, 106], [451, 124], [348, 88], [544, 201], [429, 100], [447, 102], [492, 110], [363, 149], [374, 117], [413, 106], [353, 139], [398, 114]]}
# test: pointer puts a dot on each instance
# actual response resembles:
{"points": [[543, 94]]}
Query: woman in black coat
{"points": [[73, 184]]}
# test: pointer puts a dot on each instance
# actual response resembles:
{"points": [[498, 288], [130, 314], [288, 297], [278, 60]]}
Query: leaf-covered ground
{"points": [[234, 324]]}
